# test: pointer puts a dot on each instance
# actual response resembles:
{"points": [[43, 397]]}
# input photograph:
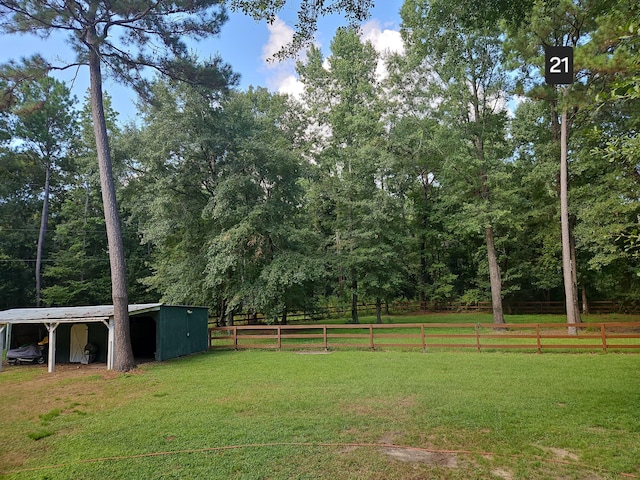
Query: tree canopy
{"points": [[436, 181]]}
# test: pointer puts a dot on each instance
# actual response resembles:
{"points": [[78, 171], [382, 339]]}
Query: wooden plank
{"points": [[573, 346], [509, 346], [509, 335], [452, 335], [568, 336]]}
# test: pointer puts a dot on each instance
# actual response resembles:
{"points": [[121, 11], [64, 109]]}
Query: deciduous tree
{"points": [[468, 84]]}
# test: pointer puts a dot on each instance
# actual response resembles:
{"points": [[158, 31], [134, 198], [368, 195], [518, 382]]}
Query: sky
{"points": [[245, 44]]}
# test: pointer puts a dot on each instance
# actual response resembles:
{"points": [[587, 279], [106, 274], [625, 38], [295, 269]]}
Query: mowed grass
{"points": [[285, 415]]}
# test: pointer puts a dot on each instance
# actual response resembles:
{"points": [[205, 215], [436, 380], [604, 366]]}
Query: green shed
{"points": [[170, 331]]}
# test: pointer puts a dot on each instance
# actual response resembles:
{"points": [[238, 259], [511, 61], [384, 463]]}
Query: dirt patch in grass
{"points": [[560, 453], [417, 455], [412, 455], [502, 473]]}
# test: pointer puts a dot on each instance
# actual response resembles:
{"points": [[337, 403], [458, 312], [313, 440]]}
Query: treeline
{"points": [[430, 176]]}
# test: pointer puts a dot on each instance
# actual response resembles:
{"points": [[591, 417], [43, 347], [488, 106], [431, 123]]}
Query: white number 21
{"points": [[555, 64]]}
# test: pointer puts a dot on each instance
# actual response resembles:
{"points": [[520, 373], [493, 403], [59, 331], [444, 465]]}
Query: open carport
{"points": [[158, 331]]}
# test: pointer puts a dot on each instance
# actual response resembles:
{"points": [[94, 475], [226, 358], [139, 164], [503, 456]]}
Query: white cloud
{"points": [[280, 34], [384, 41], [290, 85], [280, 74]]}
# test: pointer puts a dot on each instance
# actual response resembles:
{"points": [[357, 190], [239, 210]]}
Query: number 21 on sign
{"points": [[558, 65]]}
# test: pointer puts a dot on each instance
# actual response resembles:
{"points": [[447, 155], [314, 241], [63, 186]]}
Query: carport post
{"points": [[110, 342], [1, 344], [51, 327]]}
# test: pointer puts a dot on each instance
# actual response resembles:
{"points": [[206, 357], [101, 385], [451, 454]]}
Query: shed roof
{"points": [[95, 313]]}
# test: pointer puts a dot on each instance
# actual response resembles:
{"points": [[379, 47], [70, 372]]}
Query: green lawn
{"points": [[463, 415]]}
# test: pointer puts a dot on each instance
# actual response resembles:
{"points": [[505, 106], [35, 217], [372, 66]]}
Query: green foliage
{"points": [[77, 271], [221, 201], [357, 198], [36, 163], [368, 190]]}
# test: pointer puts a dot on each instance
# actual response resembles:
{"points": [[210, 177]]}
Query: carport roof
{"points": [[95, 313]]}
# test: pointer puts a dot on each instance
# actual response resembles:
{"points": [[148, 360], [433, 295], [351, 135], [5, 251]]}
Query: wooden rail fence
{"points": [[428, 336]]}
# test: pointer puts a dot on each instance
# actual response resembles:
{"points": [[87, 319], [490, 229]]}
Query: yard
{"points": [[337, 415]]}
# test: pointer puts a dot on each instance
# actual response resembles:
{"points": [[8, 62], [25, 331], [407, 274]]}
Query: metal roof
{"points": [[70, 314]]}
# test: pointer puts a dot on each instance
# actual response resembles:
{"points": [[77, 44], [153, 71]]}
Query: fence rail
{"points": [[428, 336]]}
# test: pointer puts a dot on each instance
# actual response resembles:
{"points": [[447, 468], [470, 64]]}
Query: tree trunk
{"points": [[424, 222], [44, 222], [494, 276], [123, 353], [585, 302], [378, 310], [574, 273], [570, 289], [221, 313], [354, 301]]}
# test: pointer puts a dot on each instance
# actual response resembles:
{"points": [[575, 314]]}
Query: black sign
{"points": [[558, 65]]}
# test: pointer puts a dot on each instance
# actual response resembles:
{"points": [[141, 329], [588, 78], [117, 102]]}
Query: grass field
{"points": [[342, 415]]}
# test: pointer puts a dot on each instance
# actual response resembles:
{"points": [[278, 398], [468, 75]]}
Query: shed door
{"points": [[79, 338]]}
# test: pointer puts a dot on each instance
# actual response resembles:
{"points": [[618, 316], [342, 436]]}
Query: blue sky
{"points": [[243, 43]]}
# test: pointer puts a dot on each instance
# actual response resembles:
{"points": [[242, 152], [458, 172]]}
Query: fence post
{"points": [[603, 333], [371, 337], [235, 338], [538, 337], [424, 340], [324, 333], [478, 336], [279, 327]]}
